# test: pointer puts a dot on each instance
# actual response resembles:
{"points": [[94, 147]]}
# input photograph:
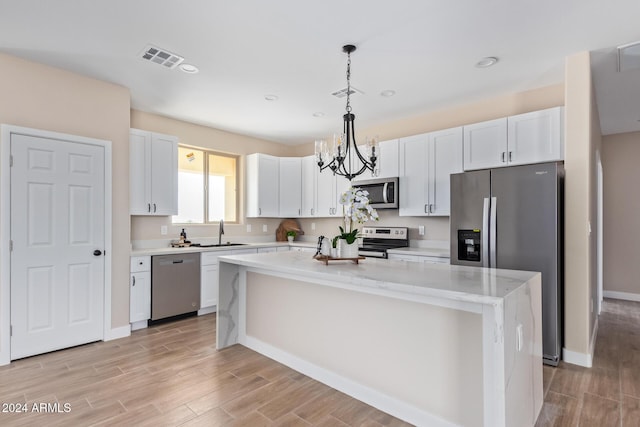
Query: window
{"points": [[206, 186]]}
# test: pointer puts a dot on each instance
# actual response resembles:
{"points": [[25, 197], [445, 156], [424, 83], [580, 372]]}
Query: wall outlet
{"points": [[163, 230], [248, 228], [264, 228], [421, 230], [313, 225]]}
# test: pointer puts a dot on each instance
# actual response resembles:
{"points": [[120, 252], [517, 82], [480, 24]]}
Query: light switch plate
{"points": [[264, 228], [248, 228], [313, 225], [163, 230], [421, 230]]}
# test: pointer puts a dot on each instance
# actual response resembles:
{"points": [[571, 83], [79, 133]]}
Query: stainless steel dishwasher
{"points": [[175, 285]]}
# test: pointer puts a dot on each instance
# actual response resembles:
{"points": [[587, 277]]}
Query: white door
{"points": [[57, 223]]}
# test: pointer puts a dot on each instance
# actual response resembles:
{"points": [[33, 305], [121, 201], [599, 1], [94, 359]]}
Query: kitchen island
{"points": [[432, 344]]}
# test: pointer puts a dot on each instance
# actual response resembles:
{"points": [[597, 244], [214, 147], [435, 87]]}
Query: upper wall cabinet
{"points": [[290, 187], [309, 201], [153, 173], [387, 164], [426, 161], [534, 137], [263, 185]]}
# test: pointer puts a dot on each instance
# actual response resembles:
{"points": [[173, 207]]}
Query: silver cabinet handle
{"points": [[148, 207], [298, 212], [510, 156], [311, 211], [426, 208], [503, 156], [259, 211], [430, 208], [154, 208], [134, 281]]}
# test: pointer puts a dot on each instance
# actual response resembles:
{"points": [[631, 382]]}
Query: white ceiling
{"points": [[425, 50]]}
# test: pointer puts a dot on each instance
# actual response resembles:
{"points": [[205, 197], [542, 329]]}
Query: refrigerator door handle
{"points": [[492, 233], [485, 233]]}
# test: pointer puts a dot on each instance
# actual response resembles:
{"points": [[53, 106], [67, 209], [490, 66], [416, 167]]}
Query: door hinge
{"points": [[11, 160]]}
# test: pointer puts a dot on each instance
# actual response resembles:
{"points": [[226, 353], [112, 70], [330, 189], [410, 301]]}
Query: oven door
{"points": [[383, 192]]}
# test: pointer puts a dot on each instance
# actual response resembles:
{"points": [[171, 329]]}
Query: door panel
{"points": [[57, 222], [468, 191]]}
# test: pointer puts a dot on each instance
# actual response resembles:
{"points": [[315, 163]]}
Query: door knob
{"points": [[97, 252]]}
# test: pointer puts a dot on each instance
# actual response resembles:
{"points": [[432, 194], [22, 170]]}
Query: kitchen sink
{"points": [[220, 245]]}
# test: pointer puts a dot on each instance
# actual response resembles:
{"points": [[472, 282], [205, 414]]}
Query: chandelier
{"points": [[346, 158]]}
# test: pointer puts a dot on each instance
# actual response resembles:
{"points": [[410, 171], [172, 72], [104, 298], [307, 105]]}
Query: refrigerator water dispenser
{"points": [[469, 245]]}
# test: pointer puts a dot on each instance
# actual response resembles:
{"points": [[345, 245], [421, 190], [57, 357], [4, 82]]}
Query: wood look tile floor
{"points": [[171, 375], [608, 394]]}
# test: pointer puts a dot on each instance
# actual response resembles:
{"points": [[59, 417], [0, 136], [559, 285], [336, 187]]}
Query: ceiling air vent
{"points": [[343, 92], [161, 56]]}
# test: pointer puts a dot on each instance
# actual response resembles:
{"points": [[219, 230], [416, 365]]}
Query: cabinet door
{"points": [[413, 176], [263, 185], [536, 137], [139, 163], [445, 158], [388, 163], [164, 174], [342, 185], [267, 250], [485, 144], [209, 283], [309, 201], [326, 193], [290, 173], [140, 295]]}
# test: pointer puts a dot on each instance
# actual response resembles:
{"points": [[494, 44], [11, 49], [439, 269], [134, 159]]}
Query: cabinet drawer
{"points": [[140, 263], [208, 258]]}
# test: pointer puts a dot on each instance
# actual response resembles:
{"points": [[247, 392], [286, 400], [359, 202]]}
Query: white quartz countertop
{"points": [[471, 284], [191, 249]]}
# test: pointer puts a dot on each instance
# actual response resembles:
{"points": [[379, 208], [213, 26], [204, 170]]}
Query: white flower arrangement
{"points": [[355, 209]]}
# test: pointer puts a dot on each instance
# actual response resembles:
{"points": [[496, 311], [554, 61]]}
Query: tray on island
{"points": [[326, 259]]}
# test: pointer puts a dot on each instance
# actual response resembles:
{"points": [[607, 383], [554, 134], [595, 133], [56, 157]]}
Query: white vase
{"points": [[346, 250], [290, 239]]}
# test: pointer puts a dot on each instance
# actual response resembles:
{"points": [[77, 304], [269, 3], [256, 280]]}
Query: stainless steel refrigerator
{"points": [[512, 218]]}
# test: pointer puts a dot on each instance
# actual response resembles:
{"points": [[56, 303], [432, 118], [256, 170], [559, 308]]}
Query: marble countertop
{"points": [[471, 284], [191, 249]]}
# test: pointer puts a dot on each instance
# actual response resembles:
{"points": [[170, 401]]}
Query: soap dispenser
{"points": [[183, 236]]}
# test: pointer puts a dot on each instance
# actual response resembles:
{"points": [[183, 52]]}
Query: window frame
{"points": [[205, 177]]}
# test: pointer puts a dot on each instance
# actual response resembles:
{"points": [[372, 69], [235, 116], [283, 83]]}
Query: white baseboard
{"points": [[628, 296], [142, 324], [385, 403], [582, 359], [207, 310], [115, 333]]}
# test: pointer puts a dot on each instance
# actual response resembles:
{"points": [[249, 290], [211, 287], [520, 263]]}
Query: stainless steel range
{"points": [[377, 240]]}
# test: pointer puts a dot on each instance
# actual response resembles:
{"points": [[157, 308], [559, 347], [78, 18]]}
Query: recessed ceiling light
{"points": [[318, 114], [487, 62], [271, 97], [188, 68], [387, 93]]}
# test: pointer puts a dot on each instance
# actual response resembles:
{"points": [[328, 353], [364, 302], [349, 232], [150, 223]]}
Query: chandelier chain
{"points": [[348, 83]]}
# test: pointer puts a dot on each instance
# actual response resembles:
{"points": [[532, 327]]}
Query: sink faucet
{"points": [[221, 232]]}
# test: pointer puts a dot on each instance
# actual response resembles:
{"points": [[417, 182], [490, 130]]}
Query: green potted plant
{"points": [[291, 235]]}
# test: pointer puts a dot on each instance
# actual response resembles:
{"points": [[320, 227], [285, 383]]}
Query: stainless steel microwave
{"points": [[383, 192]]}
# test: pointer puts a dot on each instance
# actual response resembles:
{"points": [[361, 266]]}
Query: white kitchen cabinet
{"points": [[153, 173], [140, 291], [309, 201], [388, 162], [290, 193], [209, 281], [534, 137], [329, 188], [419, 258], [263, 185], [267, 250], [426, 161], [485, 144], [303, 249]]}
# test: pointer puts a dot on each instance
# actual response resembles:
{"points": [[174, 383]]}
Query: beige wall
{"points": [[42, 97], [582, 140], [620, 154]]}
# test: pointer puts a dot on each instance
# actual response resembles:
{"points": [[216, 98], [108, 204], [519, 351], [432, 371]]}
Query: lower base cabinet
{"points": [[140, 290]]}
